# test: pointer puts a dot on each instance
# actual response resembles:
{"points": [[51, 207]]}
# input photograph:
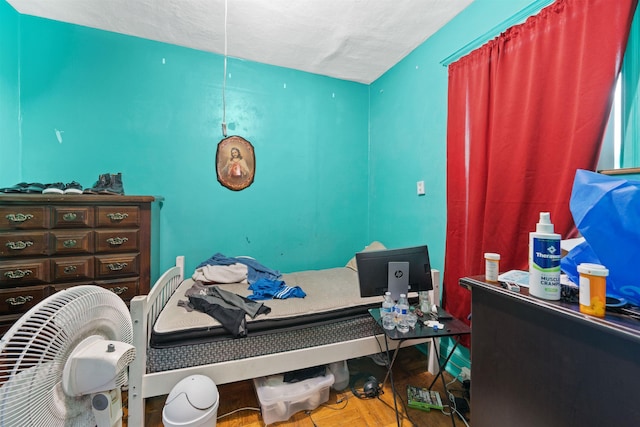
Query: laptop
{"points": [[398, 279]]}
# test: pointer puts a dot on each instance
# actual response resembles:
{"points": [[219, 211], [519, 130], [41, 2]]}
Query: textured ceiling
{"points": [[355, 40]]}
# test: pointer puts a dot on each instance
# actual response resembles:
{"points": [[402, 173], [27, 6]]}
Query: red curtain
{"points": [[525, 111]]}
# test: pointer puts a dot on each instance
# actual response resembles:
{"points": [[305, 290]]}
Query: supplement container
{"points": [[593, 289], [491, 267]]}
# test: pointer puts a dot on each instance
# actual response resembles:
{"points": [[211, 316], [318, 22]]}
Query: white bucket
{"points": [[193, 402]]}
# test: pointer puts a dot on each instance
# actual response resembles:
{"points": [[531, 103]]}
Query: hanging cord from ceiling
{"points": [[224, 78]]}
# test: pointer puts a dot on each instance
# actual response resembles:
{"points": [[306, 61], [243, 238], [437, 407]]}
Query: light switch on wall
{"points": [[420, 188]]}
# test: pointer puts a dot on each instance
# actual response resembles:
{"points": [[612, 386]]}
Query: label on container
{"points": [[544, 280], [585, 291], [546, 254], [491, 270]]}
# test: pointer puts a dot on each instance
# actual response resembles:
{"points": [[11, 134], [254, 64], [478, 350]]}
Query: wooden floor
{"points": [[342, 408]]}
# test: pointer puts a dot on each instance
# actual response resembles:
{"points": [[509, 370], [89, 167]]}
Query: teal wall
{"points": [[9, 98], [337, 161], [121, 109], [408, 141], [408, 133]]}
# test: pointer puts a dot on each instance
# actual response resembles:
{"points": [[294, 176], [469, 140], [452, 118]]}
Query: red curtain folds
{"points": [[525, 111]]}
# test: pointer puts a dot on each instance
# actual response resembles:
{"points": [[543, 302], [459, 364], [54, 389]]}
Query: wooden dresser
{"points": [[51, 242]]}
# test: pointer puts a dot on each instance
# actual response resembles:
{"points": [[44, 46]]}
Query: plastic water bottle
{"points": [[402, 308], [387, 305], [387, 312]]}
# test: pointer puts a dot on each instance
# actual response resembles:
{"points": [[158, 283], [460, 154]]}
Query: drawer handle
{"points": [[19, 245], [117, 266], [70, 216], [119, 290], [17, 274], [117, 241], [19, 217], [71, 243], [19, 300], [117, 216], [70, 269]]}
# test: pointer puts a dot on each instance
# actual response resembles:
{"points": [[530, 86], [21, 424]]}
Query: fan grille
{"points": [[34, 351]]}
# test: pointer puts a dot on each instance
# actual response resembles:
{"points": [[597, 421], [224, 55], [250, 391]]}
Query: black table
{"points": [[543, 363], [452, 328]]}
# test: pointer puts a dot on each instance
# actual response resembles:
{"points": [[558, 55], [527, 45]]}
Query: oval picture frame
{"points": [[235, 163]]}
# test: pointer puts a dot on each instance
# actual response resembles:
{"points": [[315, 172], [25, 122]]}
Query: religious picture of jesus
{"points": [[235, 163]]}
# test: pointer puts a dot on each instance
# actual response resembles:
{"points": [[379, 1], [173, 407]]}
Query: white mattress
{"points": [[327, 290]]}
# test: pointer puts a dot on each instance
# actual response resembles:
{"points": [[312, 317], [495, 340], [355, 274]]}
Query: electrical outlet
{"points": [[420, 188], [465, 374]]}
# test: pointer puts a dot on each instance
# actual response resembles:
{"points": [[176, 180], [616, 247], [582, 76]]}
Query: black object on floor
{"points": [[466, 385], [303, 374], [462, 406]]}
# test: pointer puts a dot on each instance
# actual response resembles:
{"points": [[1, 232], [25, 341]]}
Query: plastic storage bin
{"points": [[280, 400]]}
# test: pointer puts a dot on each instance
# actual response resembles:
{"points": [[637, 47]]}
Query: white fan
{"points": [[64, 362]]}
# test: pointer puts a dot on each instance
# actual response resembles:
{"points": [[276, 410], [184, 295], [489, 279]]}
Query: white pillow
{"points": [[373, 246]]}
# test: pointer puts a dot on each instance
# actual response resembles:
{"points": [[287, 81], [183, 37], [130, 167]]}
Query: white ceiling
{"points": [[357, 40]]}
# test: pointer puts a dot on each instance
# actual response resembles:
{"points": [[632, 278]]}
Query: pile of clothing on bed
{"points": [[228, 308]]}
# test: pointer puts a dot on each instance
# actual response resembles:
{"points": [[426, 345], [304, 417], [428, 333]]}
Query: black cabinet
{"points": [[538, 363]]}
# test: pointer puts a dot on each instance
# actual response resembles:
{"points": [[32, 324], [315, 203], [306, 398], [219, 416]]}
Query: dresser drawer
{"points": [[50, 242], [118, 216], [124, 288], [76, 268], [23, 217], [71, 242], [14, 244], [72, 217], [20, 300], [18, 273], [6, 322], [116, 265], [116, 240]]}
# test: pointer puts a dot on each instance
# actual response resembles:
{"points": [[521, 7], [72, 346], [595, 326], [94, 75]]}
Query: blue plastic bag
{"points": [[576, 256], [606, 210]]}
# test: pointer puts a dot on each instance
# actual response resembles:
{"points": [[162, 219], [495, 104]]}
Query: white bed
{"points": [[321, 344]]}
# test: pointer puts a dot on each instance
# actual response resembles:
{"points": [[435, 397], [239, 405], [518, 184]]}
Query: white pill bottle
{"points": [[544, 260]]}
